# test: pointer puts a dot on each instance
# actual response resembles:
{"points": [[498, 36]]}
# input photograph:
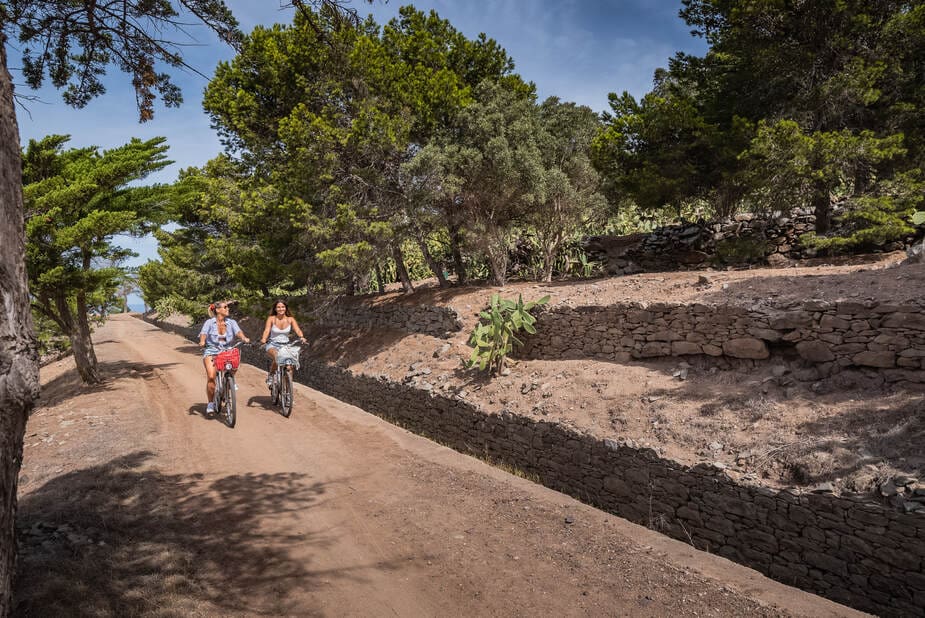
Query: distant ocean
{"points": [[135, 303]]}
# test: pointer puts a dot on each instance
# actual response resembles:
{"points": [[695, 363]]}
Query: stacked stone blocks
{"points": [[829, 336]]}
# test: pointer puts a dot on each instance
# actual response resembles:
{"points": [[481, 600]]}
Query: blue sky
{"points": [[578, 50]]}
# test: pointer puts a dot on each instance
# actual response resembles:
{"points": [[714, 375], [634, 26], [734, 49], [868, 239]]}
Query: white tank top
{"points": [[280, 335]]}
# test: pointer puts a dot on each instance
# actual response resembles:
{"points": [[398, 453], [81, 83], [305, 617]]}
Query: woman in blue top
{"points": [[280, 324], [217, 334]]}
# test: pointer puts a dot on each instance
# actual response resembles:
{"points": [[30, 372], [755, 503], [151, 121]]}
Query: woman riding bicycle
{"points": [[217, 333], [276, 332]]}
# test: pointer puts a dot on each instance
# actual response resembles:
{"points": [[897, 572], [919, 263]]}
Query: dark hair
{"points": [[278, 302]]}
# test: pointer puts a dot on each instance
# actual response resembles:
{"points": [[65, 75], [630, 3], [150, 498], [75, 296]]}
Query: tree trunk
{"points": [[18, 352], [401, 271], [431, 262], [379, 282], [549, 258], [861, 180], [498, 264], [458, 266], [85, 359], [497, 251], [77, 331], [84, 354], [822, 208]]}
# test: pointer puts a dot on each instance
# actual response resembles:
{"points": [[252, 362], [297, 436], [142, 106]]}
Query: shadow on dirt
{"points": [[199, 409], [478, 292], [873, 427], [68, 383], [190, 348], [346, 348], [788, 288], [124, 539], [264, 402], [872, 433]]}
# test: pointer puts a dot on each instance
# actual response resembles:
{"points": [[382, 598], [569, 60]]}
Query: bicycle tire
{"points": [[231, 411], [285, 396], [274, 388], [218, 398]]}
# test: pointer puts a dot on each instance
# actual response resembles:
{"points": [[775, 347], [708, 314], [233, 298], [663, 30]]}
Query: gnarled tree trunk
{"points": [[18, 354], [77, 329], [455, 242], [401, 270], [431, 262], [496, 249]]}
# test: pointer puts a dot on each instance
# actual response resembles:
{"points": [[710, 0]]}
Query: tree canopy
{"points": [[326, 123], [76, 200], [846, 75]]}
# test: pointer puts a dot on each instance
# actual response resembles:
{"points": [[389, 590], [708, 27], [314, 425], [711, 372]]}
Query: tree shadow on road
{"points": [[69, 383], [125, 539]]}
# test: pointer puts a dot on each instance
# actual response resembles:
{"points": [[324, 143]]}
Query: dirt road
{"points": [[133, 502]]}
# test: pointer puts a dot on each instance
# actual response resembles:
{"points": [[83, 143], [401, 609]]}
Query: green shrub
{"points": [[170, 305], [494, 338]]}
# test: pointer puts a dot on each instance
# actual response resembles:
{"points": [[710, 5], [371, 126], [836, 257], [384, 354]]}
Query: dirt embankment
{"points": [[763, 429]]}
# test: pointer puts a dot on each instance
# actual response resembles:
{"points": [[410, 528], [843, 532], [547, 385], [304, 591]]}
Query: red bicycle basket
{"points": [[232, 356]]}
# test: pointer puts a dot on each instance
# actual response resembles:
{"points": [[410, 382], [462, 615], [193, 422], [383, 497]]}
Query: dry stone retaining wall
{"points": [[827, 337], [745, 238], [853, 551]]}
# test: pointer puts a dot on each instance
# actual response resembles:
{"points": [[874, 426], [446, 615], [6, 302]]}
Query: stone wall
{"points": [[851, 550], [354, 313], [827, 337], [741, 240]]}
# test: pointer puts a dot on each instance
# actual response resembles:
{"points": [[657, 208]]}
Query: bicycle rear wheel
{"points": [[285, 393], [230, 402]]}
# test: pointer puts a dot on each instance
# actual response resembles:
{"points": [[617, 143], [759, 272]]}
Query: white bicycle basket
{"points": [[288, 355]]}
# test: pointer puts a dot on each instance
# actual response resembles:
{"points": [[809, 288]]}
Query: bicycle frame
{"points": [[225, 399], [281, 388]]}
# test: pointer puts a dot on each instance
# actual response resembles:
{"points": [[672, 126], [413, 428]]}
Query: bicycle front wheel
{"points": [[219, 397], [230, 402], [285, 394]]}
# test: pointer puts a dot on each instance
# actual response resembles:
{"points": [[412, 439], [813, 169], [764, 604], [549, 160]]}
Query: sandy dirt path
{"points": [[134, 502]]}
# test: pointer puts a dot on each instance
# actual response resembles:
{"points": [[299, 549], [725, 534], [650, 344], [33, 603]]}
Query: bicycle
{"points": [[287, 357], [225, 399]]}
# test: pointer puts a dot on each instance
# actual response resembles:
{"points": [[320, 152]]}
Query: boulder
{"points": [[791, 319], [681, 348], [815, 351], [746, 347], [875, 359]]}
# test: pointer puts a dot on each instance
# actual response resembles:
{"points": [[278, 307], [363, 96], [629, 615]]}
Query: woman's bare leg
{"points": [[210, 376], [272, 354]]}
